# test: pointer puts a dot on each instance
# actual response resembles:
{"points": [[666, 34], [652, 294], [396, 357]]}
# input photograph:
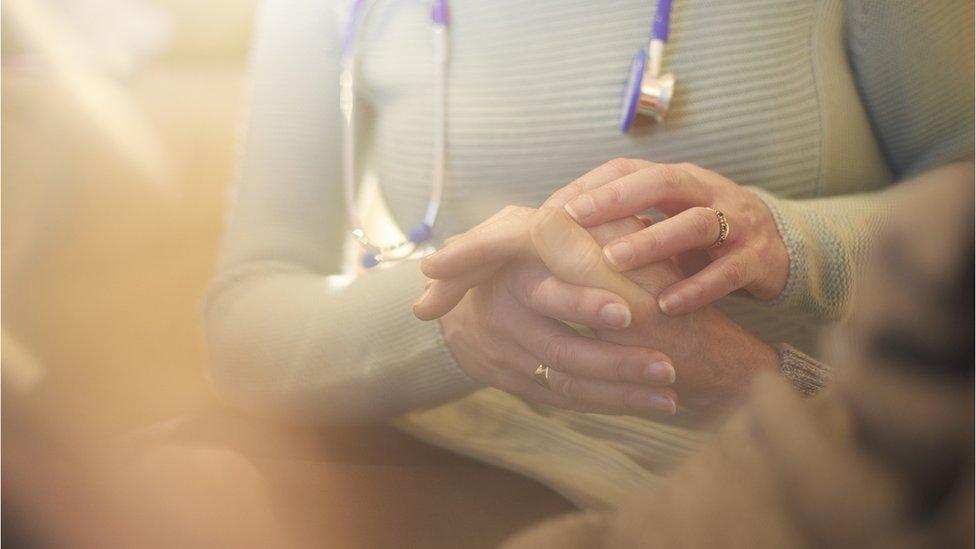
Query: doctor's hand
{"points": [[752, 257], [505, 327], [714, 358]]}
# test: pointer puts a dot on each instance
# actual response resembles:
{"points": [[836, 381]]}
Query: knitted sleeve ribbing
{"points": [[913, 66], [288, 334]]}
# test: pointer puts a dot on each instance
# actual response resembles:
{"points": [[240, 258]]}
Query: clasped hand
{"points": [[505, 290]]}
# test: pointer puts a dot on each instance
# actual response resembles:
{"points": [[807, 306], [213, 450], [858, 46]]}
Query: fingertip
{"points": [[425, 268], [671, 304], [419, 308], [661, 372], [581, 207], [548, 225], [619, 254], [546, 215], [663, 402], [418, 311], [572, 212], [616, 316], [669, 405]]}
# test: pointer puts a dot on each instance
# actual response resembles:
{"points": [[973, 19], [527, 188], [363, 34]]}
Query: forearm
{"points": [[287, 341], [829, 239]]}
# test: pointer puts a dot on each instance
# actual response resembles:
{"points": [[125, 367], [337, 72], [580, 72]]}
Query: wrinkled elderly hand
{"points": [[713, 356], [504, 327], [753, 257]]}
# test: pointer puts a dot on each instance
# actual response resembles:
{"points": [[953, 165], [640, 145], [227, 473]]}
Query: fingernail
{"points": [[663, 403], [581, 207], [670, 303], [615, 315], [660, 372], [619, 253]]}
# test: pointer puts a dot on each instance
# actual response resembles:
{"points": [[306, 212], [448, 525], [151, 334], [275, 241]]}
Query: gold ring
{"points": [[723, 228], [541, 376]]}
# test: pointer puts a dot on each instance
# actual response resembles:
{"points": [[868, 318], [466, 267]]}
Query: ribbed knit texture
{"points": [[804, 373], [765, 96]]}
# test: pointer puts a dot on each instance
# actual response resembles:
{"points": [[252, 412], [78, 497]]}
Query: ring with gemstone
{"points": [[723, 228]]}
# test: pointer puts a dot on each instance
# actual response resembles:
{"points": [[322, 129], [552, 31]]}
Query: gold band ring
{"points": [[723, 228], [541, 376]]}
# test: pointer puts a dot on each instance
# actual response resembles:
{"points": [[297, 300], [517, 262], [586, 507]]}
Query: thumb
{"points": [[572, 255]]}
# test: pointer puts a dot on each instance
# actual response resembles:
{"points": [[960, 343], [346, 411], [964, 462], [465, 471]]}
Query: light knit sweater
{"points": [[814, 104]]}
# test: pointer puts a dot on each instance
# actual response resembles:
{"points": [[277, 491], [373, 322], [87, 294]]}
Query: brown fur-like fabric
{"points": [[882, 458]]}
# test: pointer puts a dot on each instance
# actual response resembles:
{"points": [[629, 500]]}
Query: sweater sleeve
{"points": [[913, 67], [287, 333]]}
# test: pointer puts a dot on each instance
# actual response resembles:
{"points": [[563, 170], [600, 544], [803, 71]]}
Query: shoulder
{"points": [[913, 62], [300, 22]]}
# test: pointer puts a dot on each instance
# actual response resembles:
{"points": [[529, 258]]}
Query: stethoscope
{"points": [[648, 92]]}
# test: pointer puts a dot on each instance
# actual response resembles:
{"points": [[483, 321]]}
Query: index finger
{"points": [[660, 186], [488, 243], [597, 177]]}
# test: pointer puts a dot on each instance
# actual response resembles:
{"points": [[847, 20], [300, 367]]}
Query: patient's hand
{"points": [[500, 324], [714, 357]]}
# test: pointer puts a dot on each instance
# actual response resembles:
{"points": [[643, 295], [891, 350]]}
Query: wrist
{"points": [[775, 259], [731, 353]]}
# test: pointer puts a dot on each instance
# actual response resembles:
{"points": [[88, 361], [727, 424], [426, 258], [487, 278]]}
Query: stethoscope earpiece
{"points": [[414, 244]]}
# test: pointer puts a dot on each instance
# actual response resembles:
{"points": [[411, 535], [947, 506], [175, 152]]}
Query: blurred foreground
{"points": [[120, 120]]}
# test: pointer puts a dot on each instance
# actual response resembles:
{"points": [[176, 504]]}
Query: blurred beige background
{"points": [[120, 120]]}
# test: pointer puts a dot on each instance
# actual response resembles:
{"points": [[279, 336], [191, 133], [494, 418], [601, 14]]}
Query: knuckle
{"points": [[556, 351], [521, 212], [751, 266], [625, 165], [631, 399], [507, 210], [733, 273], [589, 302], [614, 192], [492, 319], [590, 266], [702, 222], [620, 369], [535, 295], [491, 322], [523, 291], [667, 176], [568, 387], [575, 188], [479, 252], [520, 285], [648, 241], [580, 307]]}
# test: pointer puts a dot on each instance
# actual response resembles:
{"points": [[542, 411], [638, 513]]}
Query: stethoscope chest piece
{"points": [[645, 94], [648, 92]]}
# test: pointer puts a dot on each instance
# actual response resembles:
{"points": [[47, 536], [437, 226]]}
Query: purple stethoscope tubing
{"points": [[662, 21], [375, 253]]}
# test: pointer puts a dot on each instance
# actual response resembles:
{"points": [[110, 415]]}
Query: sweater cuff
{"points": [[788, 230], [807, 375]]}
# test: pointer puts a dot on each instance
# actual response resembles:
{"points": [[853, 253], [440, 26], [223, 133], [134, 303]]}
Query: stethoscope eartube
{"points": [[375, 253], [648, 92]]}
